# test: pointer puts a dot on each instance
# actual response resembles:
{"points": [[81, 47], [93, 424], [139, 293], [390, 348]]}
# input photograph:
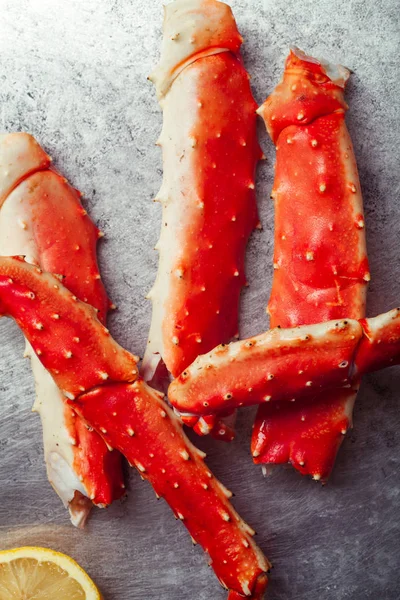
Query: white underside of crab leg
{"points": [[180, 106], [16, 239]]}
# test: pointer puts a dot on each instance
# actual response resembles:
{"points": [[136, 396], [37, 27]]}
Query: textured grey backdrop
{"points": [[74, 74]]}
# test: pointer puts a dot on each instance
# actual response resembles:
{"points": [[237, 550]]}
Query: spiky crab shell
{"points": [[74, 347], [308, 377], [281, 364], [44, 218], [134, 419], [41, 217], [208, 141], [320, 262], [315, 427]]}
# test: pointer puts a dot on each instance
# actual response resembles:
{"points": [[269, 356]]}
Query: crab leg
{"points": [[101, 382], [210, 152], [134, 419], [41, 218], [288, 365], [279, 364], [320, 263]]}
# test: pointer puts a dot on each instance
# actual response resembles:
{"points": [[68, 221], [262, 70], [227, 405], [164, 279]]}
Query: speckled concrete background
{"points": [[74, 74]]}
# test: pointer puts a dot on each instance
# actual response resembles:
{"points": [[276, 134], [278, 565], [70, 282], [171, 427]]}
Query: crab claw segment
{"points": [[65, 334], [380, 346], [135, 420], [277, 365]]}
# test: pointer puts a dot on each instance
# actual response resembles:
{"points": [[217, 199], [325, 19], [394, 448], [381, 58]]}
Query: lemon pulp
{"points": [[43, 574]]}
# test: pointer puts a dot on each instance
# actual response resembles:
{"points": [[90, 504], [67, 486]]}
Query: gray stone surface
{"points": [[74, 74]]}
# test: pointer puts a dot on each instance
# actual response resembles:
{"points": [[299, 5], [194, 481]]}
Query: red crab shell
{"points": [[208, 142], [63, 331], [288, 367], [284, 364], [42, 217], [206, 226], [132, 418], [320, 262], [135, 420]]}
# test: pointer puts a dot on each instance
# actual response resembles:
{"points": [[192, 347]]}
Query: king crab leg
{"points": [[320, 263], [101, 383], [288, 365], [42, 218], [210, 153]]}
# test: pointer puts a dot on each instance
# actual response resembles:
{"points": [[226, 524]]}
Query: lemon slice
{"points": [[42, 574]]}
